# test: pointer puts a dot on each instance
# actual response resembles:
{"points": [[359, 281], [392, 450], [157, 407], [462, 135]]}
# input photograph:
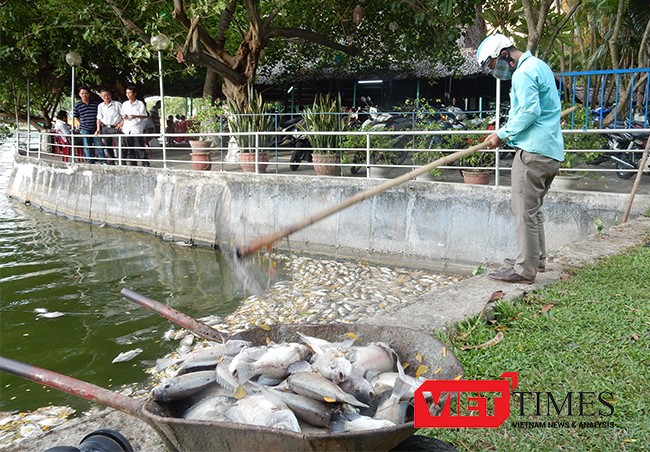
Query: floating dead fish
{"points": [[50, 315], [127, 356]]}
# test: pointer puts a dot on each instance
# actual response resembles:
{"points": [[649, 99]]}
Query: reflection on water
{"points": [[53, 263]]}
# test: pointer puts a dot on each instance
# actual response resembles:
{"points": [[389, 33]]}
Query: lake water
{"points": [[56, 264]]}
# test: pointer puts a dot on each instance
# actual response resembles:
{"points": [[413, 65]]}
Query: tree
{"points": [[231, 38]]}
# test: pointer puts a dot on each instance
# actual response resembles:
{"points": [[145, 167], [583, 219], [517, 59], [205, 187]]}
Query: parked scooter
{"points": [[298, 143], [630, 146]]}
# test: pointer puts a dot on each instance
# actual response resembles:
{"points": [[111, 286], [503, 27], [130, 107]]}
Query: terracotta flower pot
{"points": [[325, 169], [247, 161], [476, 177]]}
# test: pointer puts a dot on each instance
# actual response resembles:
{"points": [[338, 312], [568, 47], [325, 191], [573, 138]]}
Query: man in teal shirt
{"points": [[533, 129]]}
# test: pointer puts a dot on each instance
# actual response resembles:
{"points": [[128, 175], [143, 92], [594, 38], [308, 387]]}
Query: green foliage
{"points": [[323, 116], [249, 119], [207, 119]]}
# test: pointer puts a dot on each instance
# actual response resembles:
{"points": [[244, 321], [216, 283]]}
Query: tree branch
{"points": [[129, 24], [311, 36], [557, 29], [613, 47]]}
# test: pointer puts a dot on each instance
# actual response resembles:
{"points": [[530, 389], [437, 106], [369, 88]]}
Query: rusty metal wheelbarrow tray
{"points": [[191, 435]]}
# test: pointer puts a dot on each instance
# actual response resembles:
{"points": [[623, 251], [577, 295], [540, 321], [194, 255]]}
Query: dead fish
{"points": [[127, 356], [385, 381], [209, 409], [320, 388], [183, 385], [352, 423], [256, 409], [332, 364], [392, 408], [305, 408], [50, 315], [319, 345], [359, 387], [273, 363], [377, 357], [225, 379]]}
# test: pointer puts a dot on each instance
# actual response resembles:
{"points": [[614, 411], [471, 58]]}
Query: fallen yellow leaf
{"points": [[418, 357], [265, 327], [437, 371], [444, 351], [458, 377], [351, 335], [421, 370]]}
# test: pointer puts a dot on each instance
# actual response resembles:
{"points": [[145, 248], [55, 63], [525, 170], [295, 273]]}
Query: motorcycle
{"points": [[377, 121], [299, 144], [628, 147]]}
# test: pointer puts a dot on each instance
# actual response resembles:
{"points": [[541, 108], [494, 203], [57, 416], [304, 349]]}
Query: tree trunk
{"points": [[236, 93], [210, 84]]}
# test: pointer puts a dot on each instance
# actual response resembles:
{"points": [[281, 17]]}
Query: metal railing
{"points": [[367, 153]]}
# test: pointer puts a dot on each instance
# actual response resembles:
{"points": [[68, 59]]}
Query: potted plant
{"points": [[323, 116], [424, 157], [428, 151], [477, 162], [247, 120], [206, 121], [565, 178]]}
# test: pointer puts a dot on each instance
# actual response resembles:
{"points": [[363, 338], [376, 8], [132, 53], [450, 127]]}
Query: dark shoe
{"points": [[540, 267], [510, 276], [133, 163], [146, 164]]}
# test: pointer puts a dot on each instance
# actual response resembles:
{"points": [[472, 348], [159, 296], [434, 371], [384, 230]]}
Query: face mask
{"points": [[502, 69]]}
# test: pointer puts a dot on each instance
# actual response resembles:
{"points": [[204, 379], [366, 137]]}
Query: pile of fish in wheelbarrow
{"points": [[284, 387]]}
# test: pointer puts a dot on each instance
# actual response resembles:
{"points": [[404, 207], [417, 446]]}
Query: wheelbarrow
{"points": [[193, 435]]}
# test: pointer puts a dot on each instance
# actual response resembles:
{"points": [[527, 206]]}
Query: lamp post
{"points": [[74, 60], [161, 42]]}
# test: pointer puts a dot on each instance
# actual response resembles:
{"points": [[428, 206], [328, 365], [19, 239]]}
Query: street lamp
{"points": [[161, 42], [73, 59]]}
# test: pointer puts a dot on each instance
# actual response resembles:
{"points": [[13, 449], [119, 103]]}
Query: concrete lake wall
{"points": [[443, 226]]}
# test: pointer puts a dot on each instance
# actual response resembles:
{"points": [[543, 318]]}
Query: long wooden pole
{"points": [[637, 181], [268, 240]]}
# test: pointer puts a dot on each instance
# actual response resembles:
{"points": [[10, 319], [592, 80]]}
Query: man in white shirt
{"points": [[134, 113], [109, 121]]}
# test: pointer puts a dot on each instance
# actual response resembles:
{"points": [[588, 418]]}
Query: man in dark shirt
{"points": [[86, 112]]}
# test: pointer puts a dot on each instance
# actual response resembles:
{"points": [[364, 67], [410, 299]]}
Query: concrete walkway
{"points": [[437, 309]]}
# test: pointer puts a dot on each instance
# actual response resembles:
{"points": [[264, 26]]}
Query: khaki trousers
{"points": [[532, 175]]}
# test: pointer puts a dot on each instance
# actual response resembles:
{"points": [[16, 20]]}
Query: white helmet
{"points": [[490, 48]]}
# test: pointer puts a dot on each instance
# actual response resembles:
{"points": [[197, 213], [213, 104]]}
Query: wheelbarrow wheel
{"points": [[417, 443]]}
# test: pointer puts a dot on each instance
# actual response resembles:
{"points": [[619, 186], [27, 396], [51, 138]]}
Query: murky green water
{"points": [[78, 269]]}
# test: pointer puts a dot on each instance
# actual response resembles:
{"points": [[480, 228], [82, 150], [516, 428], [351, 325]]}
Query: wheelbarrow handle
{"points": [[72, 386], [184, 320]]}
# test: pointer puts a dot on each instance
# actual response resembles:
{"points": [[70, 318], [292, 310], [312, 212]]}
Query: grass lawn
{"points": [[588, 332]]}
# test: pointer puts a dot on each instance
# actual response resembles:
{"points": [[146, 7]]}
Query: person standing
{"points": [[533, 130], [134, 113], [86, 112], [109, 121]]}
